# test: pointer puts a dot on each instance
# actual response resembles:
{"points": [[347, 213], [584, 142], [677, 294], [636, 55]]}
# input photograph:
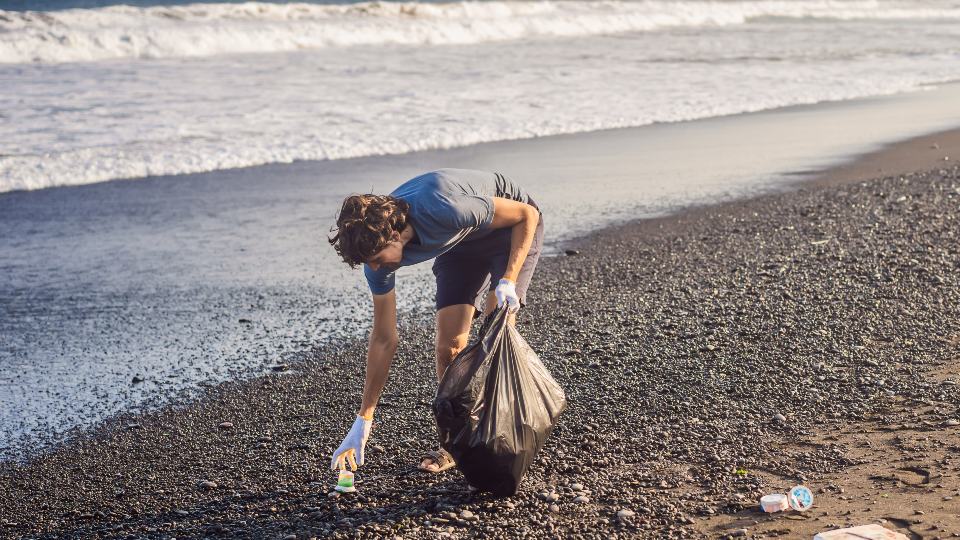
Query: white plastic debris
{"points": [[863, 532], [776, 502]]}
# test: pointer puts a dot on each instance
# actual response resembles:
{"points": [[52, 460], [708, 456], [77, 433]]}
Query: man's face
{"points": [[389, 257]]}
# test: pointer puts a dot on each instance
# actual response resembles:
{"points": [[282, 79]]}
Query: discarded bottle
{"points": [[345, 482]]}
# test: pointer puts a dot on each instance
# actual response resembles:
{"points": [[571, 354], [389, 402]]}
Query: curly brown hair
{"points": [[365, 225]]}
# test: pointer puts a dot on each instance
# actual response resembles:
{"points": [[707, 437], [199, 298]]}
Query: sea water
{"points": [[118, 91]]}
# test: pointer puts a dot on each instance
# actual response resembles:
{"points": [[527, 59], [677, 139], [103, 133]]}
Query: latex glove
{"points": [[352, 447], [506, 292]]}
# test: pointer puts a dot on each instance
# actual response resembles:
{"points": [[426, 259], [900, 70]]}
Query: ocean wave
{"points": [[197, 30]]}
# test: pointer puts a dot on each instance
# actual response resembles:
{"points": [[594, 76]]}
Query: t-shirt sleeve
{"points": [[472, 211], [380, 281]]}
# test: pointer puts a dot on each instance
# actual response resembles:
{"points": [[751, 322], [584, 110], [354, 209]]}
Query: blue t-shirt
{"points": [[447, 207]]}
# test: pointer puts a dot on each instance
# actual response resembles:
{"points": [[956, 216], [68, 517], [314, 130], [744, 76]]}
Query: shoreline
{"points": [[627, 131], [182, 259], [671, 288]]}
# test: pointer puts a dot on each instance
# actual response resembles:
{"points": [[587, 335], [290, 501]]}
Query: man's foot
{"points": [[436, 461]]}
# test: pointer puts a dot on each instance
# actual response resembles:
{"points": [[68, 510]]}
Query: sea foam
{"points": [[196, 30]]}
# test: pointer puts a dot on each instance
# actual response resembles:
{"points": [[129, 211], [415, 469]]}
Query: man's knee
{"points": [[448, 348]]}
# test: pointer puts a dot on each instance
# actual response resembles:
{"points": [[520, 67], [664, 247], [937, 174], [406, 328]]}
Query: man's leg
{"points": [[453, 333]]}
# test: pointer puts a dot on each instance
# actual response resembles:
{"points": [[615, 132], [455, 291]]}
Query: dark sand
{"points": [[678, 340]]}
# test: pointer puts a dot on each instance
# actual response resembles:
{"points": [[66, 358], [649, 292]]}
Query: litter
{"points": [[800, 498], [776, 502], [863, 532], [345, 482]]}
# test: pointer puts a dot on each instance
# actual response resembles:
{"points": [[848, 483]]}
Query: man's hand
{"points": [[352, 447], [507, 294]]}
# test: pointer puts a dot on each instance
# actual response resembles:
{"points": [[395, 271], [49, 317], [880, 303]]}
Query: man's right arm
{"points": [[382, 347]]}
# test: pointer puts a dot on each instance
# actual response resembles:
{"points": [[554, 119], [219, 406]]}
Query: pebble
{"points": [[780, 418], [581, 499], [554, 508], [468, 515], [576, 487], [208, 484], [952, 422], [736, 533], [625, 513], [226, 425]]}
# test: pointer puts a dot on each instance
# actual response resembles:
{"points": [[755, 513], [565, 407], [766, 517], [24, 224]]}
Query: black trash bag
{"points": [[495, 407]]}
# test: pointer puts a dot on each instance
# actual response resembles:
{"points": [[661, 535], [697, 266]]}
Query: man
{"points": [[485, 234]]}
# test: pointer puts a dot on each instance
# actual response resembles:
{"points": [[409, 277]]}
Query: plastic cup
{"points": [[776, 502], [345, 482]]}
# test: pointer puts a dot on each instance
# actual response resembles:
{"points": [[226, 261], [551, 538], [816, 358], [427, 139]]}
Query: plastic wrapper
{"points": [[495, 407]]}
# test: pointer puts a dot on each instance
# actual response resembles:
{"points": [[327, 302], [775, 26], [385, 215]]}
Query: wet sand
{"points": [[679, 340]]}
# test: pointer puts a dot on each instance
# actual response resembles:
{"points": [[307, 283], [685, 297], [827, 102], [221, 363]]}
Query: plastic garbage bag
{"points": [[495, 407]]}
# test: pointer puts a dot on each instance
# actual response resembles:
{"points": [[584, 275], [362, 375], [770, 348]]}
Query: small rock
{"points": [[582, 499], [554, 508], [572, 251], [736, 533], [576, 487], [279, 367], [779, 418], [207, 484], [137, 379], [625, 513], [334, 494], [468, 515], [953, 422], [245, 321], [290, 537], [226, 425], [178, 512], [552, 497]]}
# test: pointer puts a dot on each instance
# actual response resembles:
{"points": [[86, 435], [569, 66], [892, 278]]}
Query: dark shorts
{"points": [[466, 273]]}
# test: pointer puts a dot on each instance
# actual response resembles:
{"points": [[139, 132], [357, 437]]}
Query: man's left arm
{"points": [[522, 218]]}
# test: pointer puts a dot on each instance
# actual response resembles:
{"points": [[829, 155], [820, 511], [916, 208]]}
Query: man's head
{"points": [[368, 230]]}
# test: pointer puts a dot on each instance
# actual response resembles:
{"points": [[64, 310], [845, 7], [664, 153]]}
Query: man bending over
{"points": [[484, 233]]}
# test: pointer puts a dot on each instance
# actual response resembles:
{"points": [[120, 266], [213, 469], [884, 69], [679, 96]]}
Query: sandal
{"points": [[440, 458]]}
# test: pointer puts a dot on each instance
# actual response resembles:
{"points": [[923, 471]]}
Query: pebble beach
{"points": [[708, 357]]}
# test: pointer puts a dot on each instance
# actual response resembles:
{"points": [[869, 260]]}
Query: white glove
{"points": [[351, 449], [506, 292]]}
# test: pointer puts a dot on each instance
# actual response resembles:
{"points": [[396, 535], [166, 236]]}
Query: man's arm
{"points": [[523, 219], [380, 351]]}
